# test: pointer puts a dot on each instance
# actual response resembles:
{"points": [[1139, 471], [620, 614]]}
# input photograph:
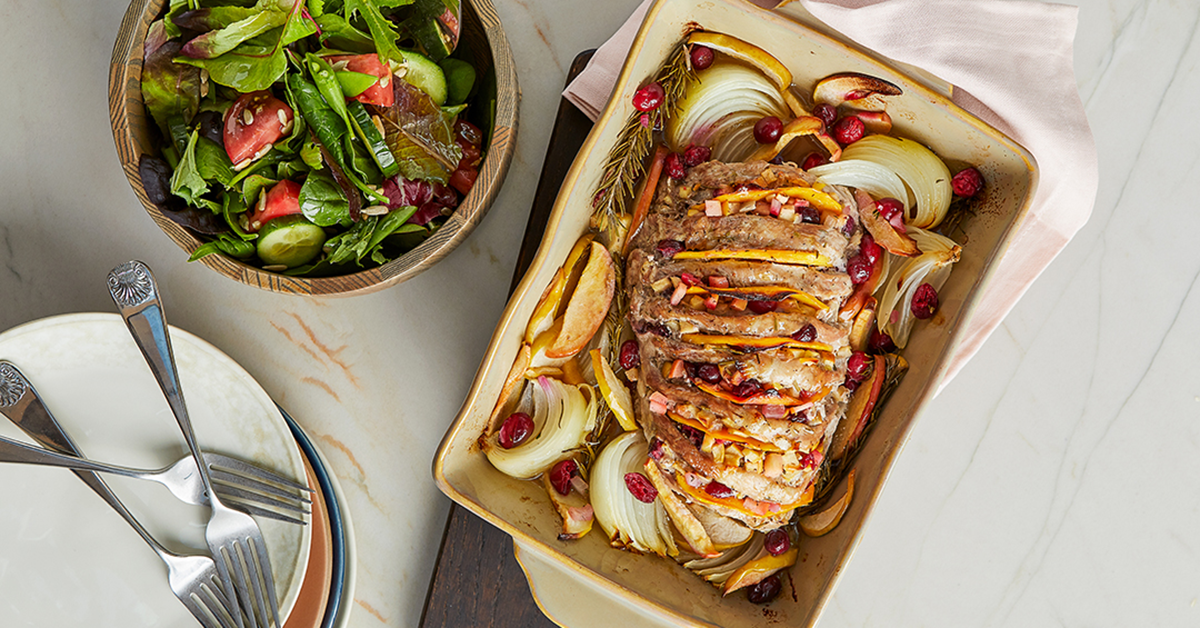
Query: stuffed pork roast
{"points": [[734, 283]]}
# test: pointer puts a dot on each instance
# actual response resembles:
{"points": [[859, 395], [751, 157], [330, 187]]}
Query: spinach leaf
{"points": [[363, 240], [256, 62], [382, 32], [311, 154], [322, 201], [227, 244], [337, 33], [253, 185], [171, 92], [232, 210], [330, 131], [186, 182], [212, 162], [420, 135]]}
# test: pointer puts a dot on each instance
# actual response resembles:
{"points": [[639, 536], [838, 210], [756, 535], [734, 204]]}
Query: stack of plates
{"points": [[66, 559]]}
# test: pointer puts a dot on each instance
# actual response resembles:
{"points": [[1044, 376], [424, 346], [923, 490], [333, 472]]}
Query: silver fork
{"points": [[233, 537], [246, 486], [193, 579]]}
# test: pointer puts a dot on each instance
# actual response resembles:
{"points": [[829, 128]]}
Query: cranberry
{"points": [[857, 365], [880, 342], [515, 430], [826, 113], [850, 226], [668, 248], [674, 166], [702, 57], [813, 160], [859, 269], [807, 334], [718, 490], [767, 130], [656, 448], [695, 155], [849, 130], [889, 208], [629, 358], [709, 373], [561, 474], [692, 369], [765, 591], [747, 389], [762, 307], [694, 435], [870, 248], [809, 215], [640, 487], [967, 182], [778, 542], [924, 302], [649, 97]]}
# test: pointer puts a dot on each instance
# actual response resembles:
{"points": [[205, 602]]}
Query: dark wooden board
{"points": [[477, 581]]}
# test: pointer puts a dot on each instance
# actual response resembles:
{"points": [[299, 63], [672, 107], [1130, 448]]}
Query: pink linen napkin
{"points": [[1011, 64]]}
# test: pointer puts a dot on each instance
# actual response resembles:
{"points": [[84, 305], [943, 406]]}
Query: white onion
{"points": [[627, 521], [923, 172], [563, 416], [876, 180], [932, 266], [720, 111]]}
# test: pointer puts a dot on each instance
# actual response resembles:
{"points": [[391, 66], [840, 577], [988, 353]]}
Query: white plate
{"points": [[66, 559]]}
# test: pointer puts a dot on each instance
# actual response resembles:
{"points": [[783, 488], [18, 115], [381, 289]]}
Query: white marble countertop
{"points": [[1054, 481]]}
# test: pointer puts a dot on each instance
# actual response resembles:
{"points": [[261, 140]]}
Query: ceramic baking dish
{"points": [[656, 588]]}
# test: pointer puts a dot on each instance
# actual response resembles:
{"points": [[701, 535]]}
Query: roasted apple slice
{"points": [[864, 322], [746, 53], [758, 569], [587, 306], [614, 392], [685, 522], [854, 90], [875, 121], [820, 523], [796, 128], [513, 384], [858, 411], [573, 508], [884, 233]]}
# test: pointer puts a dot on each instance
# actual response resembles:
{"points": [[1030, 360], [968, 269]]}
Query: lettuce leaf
{"points": [[420, 135]]}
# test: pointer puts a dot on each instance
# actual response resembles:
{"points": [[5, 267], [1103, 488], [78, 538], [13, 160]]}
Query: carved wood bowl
{"points": [[485, 46]]}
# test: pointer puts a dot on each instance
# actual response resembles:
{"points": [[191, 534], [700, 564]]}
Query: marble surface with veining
{"points": [[1055, 481]]}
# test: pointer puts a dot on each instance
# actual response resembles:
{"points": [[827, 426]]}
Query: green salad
{"points": [[311, 137]]}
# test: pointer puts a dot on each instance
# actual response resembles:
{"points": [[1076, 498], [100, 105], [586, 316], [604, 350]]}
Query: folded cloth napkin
{"points": [[1011, 64]]}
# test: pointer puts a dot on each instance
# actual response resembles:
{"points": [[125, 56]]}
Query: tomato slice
{"points": [[463, 180], [381, 92], [254, 122], [281, 200]]}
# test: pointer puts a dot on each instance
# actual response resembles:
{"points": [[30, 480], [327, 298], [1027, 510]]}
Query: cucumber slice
{"points": [[425, 75], [289, 241], [372, 138], [430, 37], [460, 78]]}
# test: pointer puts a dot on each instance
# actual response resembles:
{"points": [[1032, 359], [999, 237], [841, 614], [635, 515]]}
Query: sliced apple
{"points": [[614, 392], [875, 121], [798, 127], [513, 384], [543, 314], [884, 233], [747, 53], [726, 533], [821, 523], [574, 510], [758, 569], [779, 256], [857, 91], [587, 305], [859, 410], [793, 102], [864, 322], [573, 269], [685, 522]]}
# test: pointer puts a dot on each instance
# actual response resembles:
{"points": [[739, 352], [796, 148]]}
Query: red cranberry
{"points": [[857, 365], [778, 542], [849, 130], [694, 435], [640, 487], [668, 248], [765, 591], [809, 215], [870, 248], [880, 342], [967, 182], [859, 269], [850, 226], [807, 334], [629, 358], [709, 373], [702, 57], [924, 302], [889, 207], [762, 307], [515, 430], [747, 389], [718, 490], [813, 160], [695, 155], [826, 113], [649, 97], [674, 166], [561, 474], [656, 448], [767, 130]]}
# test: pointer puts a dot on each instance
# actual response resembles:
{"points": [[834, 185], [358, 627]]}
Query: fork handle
{"points": [[135, 292], [30, 414]]}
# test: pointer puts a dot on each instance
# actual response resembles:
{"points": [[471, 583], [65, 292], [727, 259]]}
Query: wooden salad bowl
{"points": [[486, 47]]}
